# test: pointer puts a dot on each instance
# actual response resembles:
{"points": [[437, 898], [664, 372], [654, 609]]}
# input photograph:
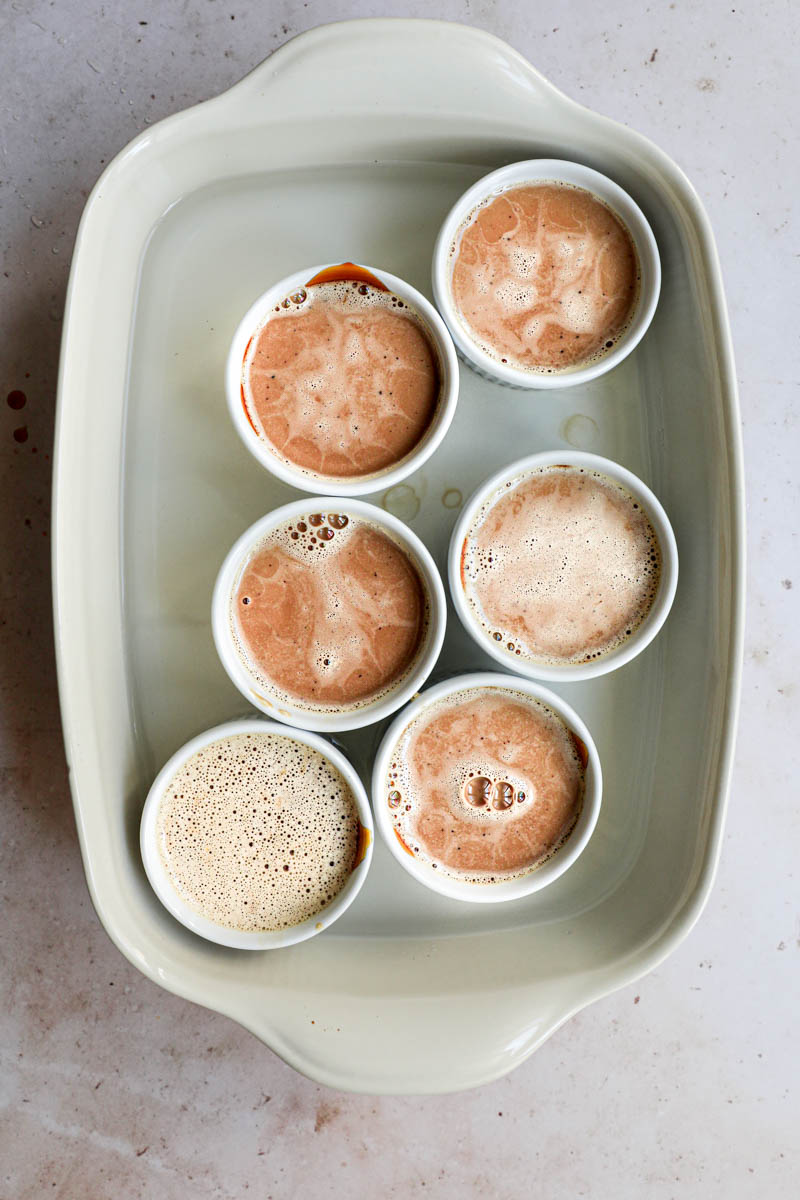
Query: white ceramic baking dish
{"points": [[353, 142]]}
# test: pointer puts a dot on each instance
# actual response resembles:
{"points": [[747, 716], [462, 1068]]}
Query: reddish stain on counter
{"points": [[16, 399], [21, 434]]}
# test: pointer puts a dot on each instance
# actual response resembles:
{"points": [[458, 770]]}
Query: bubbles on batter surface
{"points": [[480, 791], [454, 776], [258, 832], [561, 565], [545, 277], [329, 612], [310, 534], [342, 380]]}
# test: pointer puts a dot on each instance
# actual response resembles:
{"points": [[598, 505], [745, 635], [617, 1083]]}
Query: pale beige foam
{"points": [[545, 277], [521, 748], [561, 565], [258, 832]]}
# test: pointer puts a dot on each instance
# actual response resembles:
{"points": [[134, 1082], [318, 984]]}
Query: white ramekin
{"points": [[640, 637], [253, 689], [538, 877], [358, 485], [239, 939], [541, 170]]}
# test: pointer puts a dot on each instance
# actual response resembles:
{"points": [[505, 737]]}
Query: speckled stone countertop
{"points": [[685, 1084]]}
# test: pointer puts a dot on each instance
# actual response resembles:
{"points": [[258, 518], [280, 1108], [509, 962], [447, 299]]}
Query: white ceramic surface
{"points": [[507, 889], [329, 719], [311, 481], [516, 175], [169, 896], [340, 139], [644, 633]]}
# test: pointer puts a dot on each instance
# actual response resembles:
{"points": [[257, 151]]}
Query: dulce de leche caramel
{"points": [[485, 784], [330, 612], [342, 380], [545, 277]]}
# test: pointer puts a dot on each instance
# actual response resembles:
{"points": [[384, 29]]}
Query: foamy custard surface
{"points": [[485, 784], [561, 565], [545, 277], [258, 832], [342, 380], [330, 612]]}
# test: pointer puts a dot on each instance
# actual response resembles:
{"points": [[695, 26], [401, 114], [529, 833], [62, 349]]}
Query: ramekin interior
{"points": [[641, 636], [539, 877], [254, 690], [542, 170], [241, 939], [334, 485]]}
